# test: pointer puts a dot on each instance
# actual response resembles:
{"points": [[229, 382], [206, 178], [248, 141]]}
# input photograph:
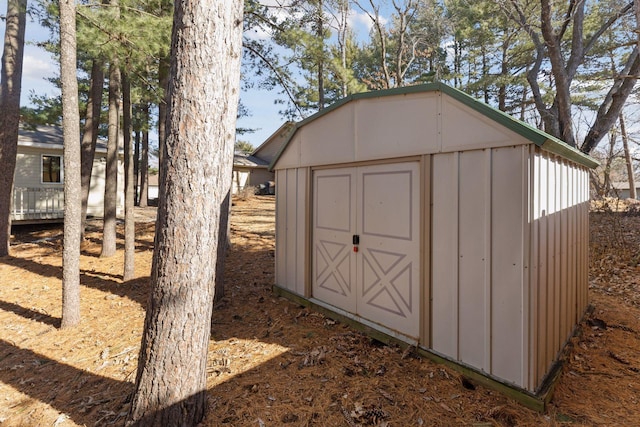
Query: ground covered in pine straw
{"points": [[274, 363]]}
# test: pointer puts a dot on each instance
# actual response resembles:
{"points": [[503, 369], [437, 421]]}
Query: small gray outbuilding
{"points": [[437, 220]]}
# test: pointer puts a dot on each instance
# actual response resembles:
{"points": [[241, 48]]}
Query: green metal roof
{"points": [[536, 136]]}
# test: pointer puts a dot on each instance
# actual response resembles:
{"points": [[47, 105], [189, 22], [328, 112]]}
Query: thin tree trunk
{"points": [[129, 182], [144, 161], [607, 166], [10, 86], [90, 134], [195, 179], [72, 167], [111, 180], [223, 244], [320, 36], [163, 80], [136, 163], [627, 157]]}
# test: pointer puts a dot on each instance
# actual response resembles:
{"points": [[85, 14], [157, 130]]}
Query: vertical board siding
{"points": [[479, 203], [291, 195], [301, 230], [473, 258], [559, 214], [291, 187], [281, 221], [508, 180], [444, 254]]}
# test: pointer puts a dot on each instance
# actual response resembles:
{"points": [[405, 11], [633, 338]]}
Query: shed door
{"points": [[381, 205]]}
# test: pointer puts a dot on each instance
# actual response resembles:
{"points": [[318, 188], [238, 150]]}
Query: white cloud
{"points": [[37, 68]]}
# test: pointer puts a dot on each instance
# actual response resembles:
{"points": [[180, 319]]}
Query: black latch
{"points": [[356, 239]]}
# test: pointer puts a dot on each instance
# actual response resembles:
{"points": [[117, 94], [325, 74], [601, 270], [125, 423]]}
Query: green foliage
{"points": [[46, 111], [244, 147]]}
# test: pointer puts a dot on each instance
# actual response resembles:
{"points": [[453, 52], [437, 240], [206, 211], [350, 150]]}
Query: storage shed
{"points": [[434, 219]]}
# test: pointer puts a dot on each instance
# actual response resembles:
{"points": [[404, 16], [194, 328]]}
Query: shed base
{"points": [[537, 401]]}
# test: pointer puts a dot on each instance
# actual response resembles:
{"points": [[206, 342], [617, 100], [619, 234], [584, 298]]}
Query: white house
{"points": [[39, 177], [426, 216], [253, 169]]}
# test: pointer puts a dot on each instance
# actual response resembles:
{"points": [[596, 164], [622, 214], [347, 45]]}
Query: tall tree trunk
{"points": [[111, 179], [72, 167], [129, 182], [10, 86], [627, 157], [144, 160], [90, 134], [195, 179]]}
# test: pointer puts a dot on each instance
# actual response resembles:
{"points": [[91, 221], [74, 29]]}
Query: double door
{"points": [[366, 242]]}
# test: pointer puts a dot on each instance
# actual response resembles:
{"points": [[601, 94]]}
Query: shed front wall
{"points": [[292, 230], [479, 212]]}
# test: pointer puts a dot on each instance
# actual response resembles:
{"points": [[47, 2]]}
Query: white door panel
{"points": [[389, 257], [333, 222], [380, 204]]}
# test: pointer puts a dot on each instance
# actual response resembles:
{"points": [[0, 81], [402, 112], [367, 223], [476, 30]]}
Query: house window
{"points": [[51, 168]]}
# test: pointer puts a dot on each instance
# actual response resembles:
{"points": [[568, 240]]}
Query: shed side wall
{"points": [[559, 256]]}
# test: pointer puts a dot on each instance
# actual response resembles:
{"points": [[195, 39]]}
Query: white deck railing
{"points": [[31, 204]]}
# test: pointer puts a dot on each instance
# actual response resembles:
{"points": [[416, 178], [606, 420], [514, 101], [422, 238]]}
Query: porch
{"points": [[36, 205]]}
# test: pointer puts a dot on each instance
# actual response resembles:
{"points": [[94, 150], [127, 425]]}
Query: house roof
{"points": [[624, 185], [248, 161], [536, 136], [47, 137]]}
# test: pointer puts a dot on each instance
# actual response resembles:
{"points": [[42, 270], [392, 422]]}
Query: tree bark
{"points": [[90, 134], [129, 183], [10, 87], [195, 179], [72, 167], [627, 157], [111, 179]]}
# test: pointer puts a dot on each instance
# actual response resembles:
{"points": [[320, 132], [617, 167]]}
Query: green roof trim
{"points": [[536, 136]]}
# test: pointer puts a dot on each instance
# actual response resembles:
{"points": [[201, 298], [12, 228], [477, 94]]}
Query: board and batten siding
{"points": [[291, 229], [478, 246], [559, 256]]}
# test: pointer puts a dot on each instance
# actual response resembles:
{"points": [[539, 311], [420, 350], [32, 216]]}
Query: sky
{"points": [[39, 65]]}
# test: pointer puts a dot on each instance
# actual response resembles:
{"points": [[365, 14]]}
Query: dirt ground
{"points": [[274, 363]]}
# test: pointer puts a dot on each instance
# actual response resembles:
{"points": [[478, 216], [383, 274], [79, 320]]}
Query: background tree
{"points": [[90, 132], [194, 182], [129, 183], [72, 166], [564, 36], [10, 86]]}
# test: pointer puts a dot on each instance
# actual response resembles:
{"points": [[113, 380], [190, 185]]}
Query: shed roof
{"points": [[536, 136]]}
